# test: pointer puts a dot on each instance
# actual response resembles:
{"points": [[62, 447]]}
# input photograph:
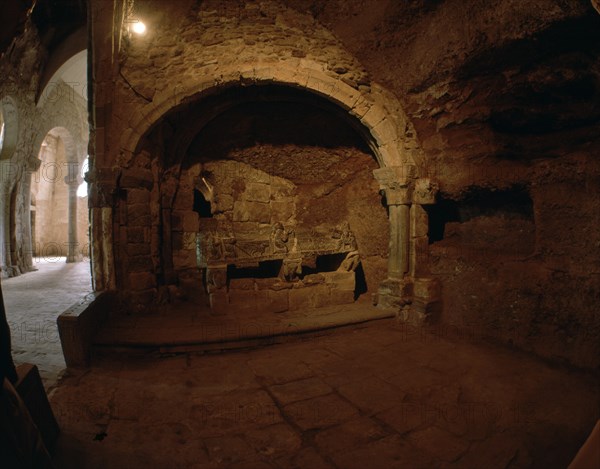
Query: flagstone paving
{"points": [[378, 395], [33, 301]]}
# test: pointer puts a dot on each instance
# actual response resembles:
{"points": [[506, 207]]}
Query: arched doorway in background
{"points": [[58, 209]]}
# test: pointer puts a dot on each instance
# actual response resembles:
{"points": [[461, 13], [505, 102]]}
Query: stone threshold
{"points": [[182, 330]]}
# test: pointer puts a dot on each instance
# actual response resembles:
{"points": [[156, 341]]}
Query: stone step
{"points": [[211, 333]]}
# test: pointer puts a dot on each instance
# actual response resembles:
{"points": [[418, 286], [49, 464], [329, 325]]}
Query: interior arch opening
{"points": [[269, 174], [53, 186], [202, 206], [9, 127]]}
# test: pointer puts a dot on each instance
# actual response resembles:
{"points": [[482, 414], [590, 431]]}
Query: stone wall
{"points": [[212, 48], [495, 102], [504, 100]]}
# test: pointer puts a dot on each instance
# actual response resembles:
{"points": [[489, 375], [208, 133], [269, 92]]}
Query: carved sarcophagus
{"points": [[235, 273], [219, 248]]}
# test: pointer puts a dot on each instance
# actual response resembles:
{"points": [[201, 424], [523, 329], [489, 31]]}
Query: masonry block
{"points": [[141, 280], [340, 280], [219, 302], [243, 301], [309, 297], [277, 301], [341, 297], [78, 325]]}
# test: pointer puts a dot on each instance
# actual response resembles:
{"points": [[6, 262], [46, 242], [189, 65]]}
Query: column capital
{"points": [[33, 164], [102, 186], [392, 175], [73, 181], [397, 182]]}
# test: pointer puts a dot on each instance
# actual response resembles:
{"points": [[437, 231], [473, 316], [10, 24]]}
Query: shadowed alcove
{"points": [[263, 175]]}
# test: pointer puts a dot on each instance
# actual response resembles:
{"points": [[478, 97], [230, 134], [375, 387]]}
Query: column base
{"points": [[13, 271], [416, 301], [420, 312], [75, 258], [394, 293]]}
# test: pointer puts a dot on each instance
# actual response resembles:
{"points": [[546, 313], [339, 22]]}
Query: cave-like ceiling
{"points": [[55, 20]]}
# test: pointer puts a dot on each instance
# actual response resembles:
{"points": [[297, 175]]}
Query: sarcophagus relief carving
{"points": [[285, 244]]}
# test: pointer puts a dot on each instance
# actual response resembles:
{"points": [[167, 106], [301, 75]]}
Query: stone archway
{"points": [[378, 112], [384, 123], [292, 144], [8, 175], [62, 110], [59, 173], [288, 49], [10, 127]]}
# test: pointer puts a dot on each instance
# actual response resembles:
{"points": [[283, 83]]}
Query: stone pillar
{"points": [[102, 186], [426, 302], [33, 165], [410, 289], [4, 224], [72, 180], [8, 175], [103, 270], [396, 183], [72, 239], [398, 251]]}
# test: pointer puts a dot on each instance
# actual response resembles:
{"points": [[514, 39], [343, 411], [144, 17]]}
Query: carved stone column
{"points": [[9, 173], [397, 185], [33, 165], [102, 185], [72, 235], [426, 301], [410, 289], [5, 168], [72, 180]]}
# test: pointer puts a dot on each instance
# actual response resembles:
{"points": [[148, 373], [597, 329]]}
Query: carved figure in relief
{"points": [[292, 268], [345, 237], [425, 191], [229, 246], [279, 238], [214, 248], [216, 279], [350, 263]]}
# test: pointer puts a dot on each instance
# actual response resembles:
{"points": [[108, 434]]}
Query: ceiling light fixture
{"points": [[138, 27]]}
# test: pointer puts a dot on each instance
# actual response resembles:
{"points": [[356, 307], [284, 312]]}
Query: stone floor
{"points": [[376, 395], [33, 301]]}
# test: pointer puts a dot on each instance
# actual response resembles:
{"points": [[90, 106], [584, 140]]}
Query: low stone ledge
{"points": [[78, 325]]}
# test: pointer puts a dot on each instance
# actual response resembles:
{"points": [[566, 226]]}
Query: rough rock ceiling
{"points": [[55, 20], [519, 80], [508, 79], [12, 20]]}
